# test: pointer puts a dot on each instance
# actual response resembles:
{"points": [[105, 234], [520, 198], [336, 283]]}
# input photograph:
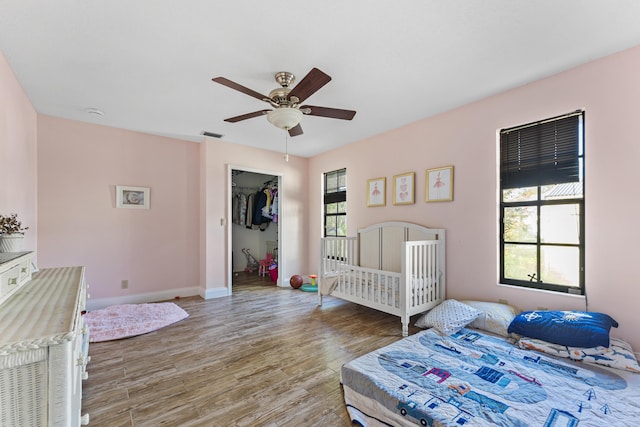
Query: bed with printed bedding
{"points": [[472, 377]]}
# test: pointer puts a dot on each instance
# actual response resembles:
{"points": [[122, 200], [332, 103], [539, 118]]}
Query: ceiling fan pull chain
{"points": [[286, 146]]}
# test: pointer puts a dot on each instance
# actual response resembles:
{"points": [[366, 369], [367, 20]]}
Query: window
{"points": [[335, 203], [542, 204]]}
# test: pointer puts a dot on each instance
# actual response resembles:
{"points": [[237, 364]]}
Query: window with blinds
{"points": [[335, 203], [542, 204]]}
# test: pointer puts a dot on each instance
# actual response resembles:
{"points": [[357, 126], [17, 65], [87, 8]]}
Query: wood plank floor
{"points": [[265, 356]]}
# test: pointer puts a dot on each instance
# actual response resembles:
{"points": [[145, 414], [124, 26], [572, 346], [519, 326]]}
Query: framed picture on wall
{"points": [[403, 188], [377, 192], [439, 184], [132, 197]]}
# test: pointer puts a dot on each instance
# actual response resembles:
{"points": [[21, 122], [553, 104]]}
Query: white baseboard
{"points": [[214, 293], [95, 304]]}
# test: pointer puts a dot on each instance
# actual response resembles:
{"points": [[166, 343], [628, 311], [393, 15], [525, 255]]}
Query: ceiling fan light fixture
{"points": [[285, 117]]}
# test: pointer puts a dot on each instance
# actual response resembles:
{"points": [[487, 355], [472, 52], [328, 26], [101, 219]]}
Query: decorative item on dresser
{"points": [[44, 345], [11, 233]]}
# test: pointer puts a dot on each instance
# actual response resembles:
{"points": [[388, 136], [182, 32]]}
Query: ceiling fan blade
{"points": [[296, 130], [246, 116], [313, 81], [333, 113], [233, 85]]}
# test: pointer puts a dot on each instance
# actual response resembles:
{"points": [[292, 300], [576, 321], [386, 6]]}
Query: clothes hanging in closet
{"points": [[235, 209], [265, 207], [270, 210], [249, 217], [259, 202], [239, 208], [255, 210]]}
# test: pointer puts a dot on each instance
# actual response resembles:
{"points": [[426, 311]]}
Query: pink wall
{"points": [[18, 154], [179, 246], [79, 165], [608, 90]]}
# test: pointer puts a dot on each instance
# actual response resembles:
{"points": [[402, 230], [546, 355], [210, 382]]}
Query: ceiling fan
{"points": [[287, 111]]}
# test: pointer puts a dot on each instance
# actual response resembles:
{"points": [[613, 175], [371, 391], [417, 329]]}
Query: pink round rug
{"points": [[127, 320]]}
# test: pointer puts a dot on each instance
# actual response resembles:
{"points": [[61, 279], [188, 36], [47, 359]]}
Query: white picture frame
{"points": [[129, 197]]}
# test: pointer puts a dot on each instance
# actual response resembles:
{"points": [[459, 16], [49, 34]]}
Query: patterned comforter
{"points": [[475, 379]]}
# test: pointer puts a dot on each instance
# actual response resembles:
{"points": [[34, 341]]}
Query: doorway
{"points": [[254, 224]]}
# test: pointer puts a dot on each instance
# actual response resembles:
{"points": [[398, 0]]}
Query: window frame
{"points": [[331, 196], [539, 203]]}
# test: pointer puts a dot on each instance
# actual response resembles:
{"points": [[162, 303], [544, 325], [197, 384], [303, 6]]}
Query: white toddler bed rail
{"points": [[395, 267]]}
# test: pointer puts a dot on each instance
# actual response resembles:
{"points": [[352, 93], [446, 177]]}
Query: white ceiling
{"points": [[148, 64]]}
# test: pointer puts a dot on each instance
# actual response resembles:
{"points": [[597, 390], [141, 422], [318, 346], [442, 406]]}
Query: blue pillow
{"points": [[570, 328]]}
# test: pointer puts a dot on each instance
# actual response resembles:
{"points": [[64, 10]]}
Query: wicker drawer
{"points": [[9, 280], [14, 273], [31, 377], [25, 270], [43, 349]]}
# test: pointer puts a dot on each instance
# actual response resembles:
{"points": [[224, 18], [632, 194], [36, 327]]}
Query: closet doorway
{"points": [[254, 226]]}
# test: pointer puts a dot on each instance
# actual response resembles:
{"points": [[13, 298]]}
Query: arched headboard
{"points": [[379, 245]]}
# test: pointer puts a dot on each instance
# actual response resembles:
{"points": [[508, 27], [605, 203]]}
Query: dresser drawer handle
{"points": [[13, 280]]}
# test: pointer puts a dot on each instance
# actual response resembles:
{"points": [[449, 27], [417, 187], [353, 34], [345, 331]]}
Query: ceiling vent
{"points": [[212, 135], [95, 112]]}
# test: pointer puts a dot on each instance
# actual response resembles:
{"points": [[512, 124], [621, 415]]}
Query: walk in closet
{"points": [[254, 223]]}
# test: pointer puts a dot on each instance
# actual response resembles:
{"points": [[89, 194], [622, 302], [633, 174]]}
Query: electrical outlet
{"points": [[124, 284]]}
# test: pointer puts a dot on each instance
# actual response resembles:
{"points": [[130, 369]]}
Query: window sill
{"points": [[524, 288]]}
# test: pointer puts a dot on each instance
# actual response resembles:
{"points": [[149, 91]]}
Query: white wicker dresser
{"points": [[43, 350]]}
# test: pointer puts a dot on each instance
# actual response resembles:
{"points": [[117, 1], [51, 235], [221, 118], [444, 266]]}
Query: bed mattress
{"points": [[475, 379]]}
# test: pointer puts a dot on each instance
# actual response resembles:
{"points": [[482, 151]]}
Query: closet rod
{"points": [[252, 189]]}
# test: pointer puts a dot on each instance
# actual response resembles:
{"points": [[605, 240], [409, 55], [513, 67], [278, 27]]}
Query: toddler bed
{"points": [[395, 267], [475, 377]]}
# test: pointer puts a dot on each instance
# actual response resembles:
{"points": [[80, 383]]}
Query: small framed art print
{"points": [[377, 192], [403, 188], [439, 184], [132, 197]]}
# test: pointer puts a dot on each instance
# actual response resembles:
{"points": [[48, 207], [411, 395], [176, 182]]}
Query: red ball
{"points": [[295, 281]]}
